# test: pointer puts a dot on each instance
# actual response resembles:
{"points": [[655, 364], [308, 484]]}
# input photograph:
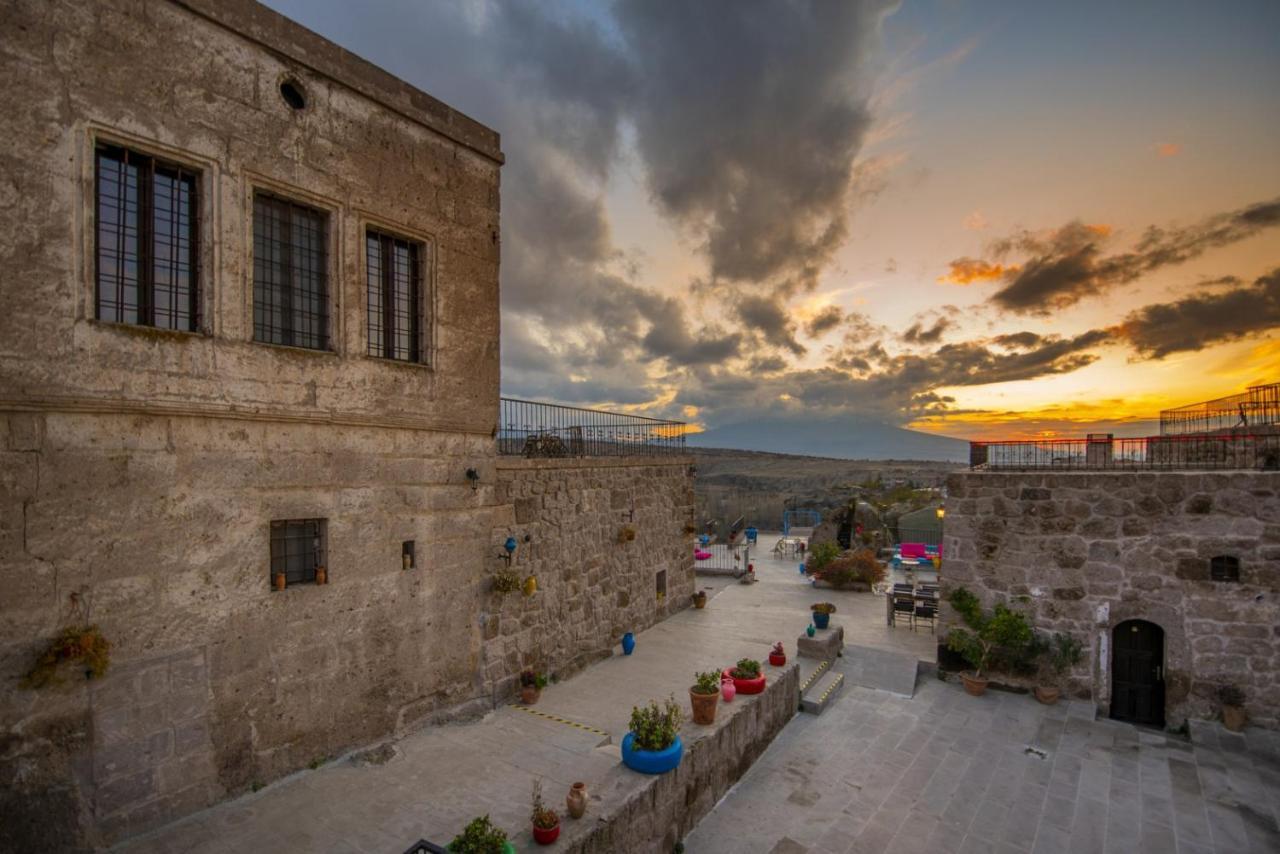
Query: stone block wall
{"points": [[592, 588], [1082, 552]]}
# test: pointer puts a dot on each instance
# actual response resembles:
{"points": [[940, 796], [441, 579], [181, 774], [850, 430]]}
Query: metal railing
{"points": [[725, 559], [1102, 453], [548, 430], [1258, 406]]}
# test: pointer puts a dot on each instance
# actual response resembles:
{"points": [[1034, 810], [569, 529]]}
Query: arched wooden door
{"points": [[1137, 673]]}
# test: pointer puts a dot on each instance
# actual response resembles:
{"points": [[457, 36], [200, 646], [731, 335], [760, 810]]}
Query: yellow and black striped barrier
{"points": [[813, 677], [561, 720]]}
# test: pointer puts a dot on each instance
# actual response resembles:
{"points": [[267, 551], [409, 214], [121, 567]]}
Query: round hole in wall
{"points": [[294, 95]]}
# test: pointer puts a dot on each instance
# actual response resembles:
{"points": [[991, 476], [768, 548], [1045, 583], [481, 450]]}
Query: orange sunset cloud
{"points": [[966, 271]]}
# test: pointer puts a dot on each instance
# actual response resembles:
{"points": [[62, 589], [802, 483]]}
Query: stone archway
{"points": [[1176, 667], [1137, 673]]}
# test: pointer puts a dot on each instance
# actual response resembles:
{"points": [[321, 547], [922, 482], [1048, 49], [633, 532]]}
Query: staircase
{"points": [[826, 665]]}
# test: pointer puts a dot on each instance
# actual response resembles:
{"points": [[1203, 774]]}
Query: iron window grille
{"points": [[395, 300], [297, 548], [1224, 568], [290, 274], [147, 240]]}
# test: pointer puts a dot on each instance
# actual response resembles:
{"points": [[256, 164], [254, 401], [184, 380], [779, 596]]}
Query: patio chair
{"points": [[904, 608], [926, 609]]}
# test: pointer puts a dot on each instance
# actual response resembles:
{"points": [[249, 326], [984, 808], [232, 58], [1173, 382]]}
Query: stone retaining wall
{"points": [[1083, 552], [566, 516]]}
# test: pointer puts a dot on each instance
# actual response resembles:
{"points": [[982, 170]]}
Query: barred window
{"points": [[1224, 568], [394, 276], [297, 548], [147, 240], [290, 274]]}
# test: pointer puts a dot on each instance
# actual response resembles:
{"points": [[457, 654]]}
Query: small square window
{"points": [[297, 548], [1224, 568]]}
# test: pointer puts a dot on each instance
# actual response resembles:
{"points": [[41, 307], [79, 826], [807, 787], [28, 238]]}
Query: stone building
{"points": [[1170, 578], [250, 330]]}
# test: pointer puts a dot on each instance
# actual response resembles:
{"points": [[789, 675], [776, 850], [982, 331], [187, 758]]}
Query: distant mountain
{"points": [[833, 437]]}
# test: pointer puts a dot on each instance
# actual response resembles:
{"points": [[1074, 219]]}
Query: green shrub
{"points": [[479, 837], [84, 644], [656, 728], [1063, 652], [506, 581], [862, 566], [748, 668], [821, 555], [823, 608], [1002, 632], [533, 679], [707, 683]]}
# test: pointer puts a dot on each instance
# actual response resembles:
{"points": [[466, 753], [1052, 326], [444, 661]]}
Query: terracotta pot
{"points": [[279, 580], [322, 577], [699, 600], [529, 695], [975, 685], [545, 836], [704, 707], [1047, 694], [1234, 718], [576, 801]]}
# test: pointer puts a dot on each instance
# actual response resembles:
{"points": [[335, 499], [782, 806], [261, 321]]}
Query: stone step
{"points": [[811, 670], [824, 645], [821, 692]]}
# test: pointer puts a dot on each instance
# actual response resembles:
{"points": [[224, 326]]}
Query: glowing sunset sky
{"points": [[971, 218]]}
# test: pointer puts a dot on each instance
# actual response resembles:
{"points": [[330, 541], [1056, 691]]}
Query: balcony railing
{"points": [[1259, 406], [1103, 453], [549, 430]]}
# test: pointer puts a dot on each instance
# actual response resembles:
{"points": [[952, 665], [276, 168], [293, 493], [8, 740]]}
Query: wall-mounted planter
{"points": [[746, 686], [651, 761]]}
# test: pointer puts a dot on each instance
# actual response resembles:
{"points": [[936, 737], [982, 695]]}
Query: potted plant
{"points": [[627, 534], [322, 575], [653, 745], [1061, 653], [746, 675], [82, 643], [777, 655], [280, 580], [704, 695], [506, 581], [1231, 699], [1001, 630], [700, 599], [821, 555], [546, 823], [858, 571], [822, 612], [481, 837], [531, 684]]}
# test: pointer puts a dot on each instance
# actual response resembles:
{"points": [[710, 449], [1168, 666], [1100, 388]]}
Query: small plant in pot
{"points": [[700, 599], [546, 822], [1001, 630], [1231, 698], [746, 676], [481, 837], [822, 612], [704, 695], [627, 534], [531, 684], [1061, 653], [778, 655], [653, 745], [506, 581]]}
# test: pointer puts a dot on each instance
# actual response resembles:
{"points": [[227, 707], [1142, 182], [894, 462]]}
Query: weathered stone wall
{"points": [[592, 588], [140, 468], [1083, 552]]}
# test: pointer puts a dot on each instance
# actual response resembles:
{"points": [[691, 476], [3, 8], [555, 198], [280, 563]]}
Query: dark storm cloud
{"points": [[749, 118], [768, 317], [1205, 318], [1071, 264], [919, 333], [824, 321], [1017, 340]]}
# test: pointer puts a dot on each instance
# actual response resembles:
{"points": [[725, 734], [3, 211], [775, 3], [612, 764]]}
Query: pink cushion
{"points": [[913, 550], [698, 554]]}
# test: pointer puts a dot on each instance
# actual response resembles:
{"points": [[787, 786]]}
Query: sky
{"points": [[974, 218]]}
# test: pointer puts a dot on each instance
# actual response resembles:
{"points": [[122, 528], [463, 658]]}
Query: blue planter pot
{"points": [[802, 569], [821, 620], [628, 643], [651, 761]]}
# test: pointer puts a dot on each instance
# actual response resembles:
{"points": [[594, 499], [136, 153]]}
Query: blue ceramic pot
{"points": [[802, 569], [821, 620], [651, 761], [628, 643]]}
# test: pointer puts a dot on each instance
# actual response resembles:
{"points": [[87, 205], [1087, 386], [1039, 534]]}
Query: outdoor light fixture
{"points": [[474, 477], [941, 512]]}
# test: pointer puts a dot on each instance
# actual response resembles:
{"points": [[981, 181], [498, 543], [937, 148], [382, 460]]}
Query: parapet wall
{"points": [[1083, 552]]}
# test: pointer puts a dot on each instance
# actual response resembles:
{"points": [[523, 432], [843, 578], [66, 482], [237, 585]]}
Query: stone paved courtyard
{"points": [[946, 772]]}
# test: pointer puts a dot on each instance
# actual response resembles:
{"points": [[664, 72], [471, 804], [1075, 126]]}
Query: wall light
{"points": [[473, 477], [941, 512]]}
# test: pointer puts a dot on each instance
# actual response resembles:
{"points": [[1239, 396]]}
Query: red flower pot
{"points": [[777, 660], [746, 686], [546, 836]]}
